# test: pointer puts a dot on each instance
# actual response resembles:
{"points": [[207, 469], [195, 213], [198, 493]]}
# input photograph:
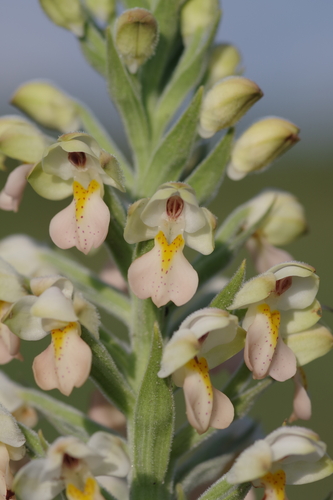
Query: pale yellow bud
{"points": [[21, 140], [260, 145], [197, 14], [101, 9], [136, 37], [226, 103], [285, 221], [224, 62], [47, 105], [65, 13]]}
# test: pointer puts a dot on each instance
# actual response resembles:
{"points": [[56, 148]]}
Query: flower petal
{"points": [[65, 364], [311, 344], [302, 403], [283, 365], [254, 290], [252, 464], [9, 345], [12, 193], [223, 411], [265, 255], [84, 223], [180, 349], [261, 341], [53, 305], [164, 273]]}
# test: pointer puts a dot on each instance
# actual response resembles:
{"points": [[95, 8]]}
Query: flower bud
{"points": [[226, 103], [136, 37], [260, 145], [197, 14], [65, 13], [101, 9], [224, 62], [47, 105], [21, 140]]}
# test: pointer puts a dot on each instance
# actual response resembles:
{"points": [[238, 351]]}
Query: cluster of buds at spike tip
{"points": [[72, 465], [285, 221], [260, 145], [76, 165], [226, 102], [289, 455], [67, 14], [224, 61], [281, 321], [34, 308], [47, 105], [174, 219], [198, 15], [204, 340], [136, 37]]}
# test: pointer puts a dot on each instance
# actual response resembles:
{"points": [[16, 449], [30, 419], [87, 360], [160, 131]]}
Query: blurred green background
{"points": [[285, 50]]}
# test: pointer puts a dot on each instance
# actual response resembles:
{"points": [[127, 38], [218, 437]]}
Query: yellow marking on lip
{"points": [[167, 252], [58, 338], [274, 485], [273, 322], [82, 196], [73, 493], [201, 367]]}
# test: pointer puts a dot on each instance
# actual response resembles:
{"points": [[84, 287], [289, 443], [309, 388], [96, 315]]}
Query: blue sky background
{"points": [[286, 47]]}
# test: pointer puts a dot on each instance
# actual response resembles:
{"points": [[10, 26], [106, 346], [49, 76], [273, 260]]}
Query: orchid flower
{"points": [[57, 309], [289, 455], [280, 302], [72, 465], [204, 340], [283, 224], [76, 165], [174, 219], [11, 448], [10, 398]]}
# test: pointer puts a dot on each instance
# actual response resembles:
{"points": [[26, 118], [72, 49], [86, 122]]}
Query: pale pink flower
{"points": [[12, 193]]}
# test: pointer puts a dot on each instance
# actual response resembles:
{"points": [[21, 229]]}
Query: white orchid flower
{"points": [[280, 302], [204, 340], [73, 465], [11, 448], [174, 219], [289, 455], [76, 165]]}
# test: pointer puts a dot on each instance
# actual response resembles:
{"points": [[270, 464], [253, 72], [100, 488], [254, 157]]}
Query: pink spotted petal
{"points": [[260, 343], [302, 403], [12, 193], [65, 363], [84, 223], [198, 394], [283, 366], [9, 345], [223, 411], [163, 279]]}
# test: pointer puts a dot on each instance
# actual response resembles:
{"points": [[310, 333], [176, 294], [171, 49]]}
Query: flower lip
{"points": [[174, 206], [78, 159]]}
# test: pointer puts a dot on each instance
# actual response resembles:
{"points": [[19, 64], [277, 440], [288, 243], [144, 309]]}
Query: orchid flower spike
{"points": [[174, 219], [289, 455], [72, 465], [56, 308], [284, 223], [76, 165], [204, 340], [280, 302], [11, 448]]}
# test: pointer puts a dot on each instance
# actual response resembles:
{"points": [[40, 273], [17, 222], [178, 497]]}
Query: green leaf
{"points": [[93, 127], [166, 15], [107, 377], [153, 429], [32, 442], [186, 76], [222, 490], [208, 175], [93, 46], [225, 298], [94, 289], [66, 419], [173, 153], [121, 250], [128, 102]]}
